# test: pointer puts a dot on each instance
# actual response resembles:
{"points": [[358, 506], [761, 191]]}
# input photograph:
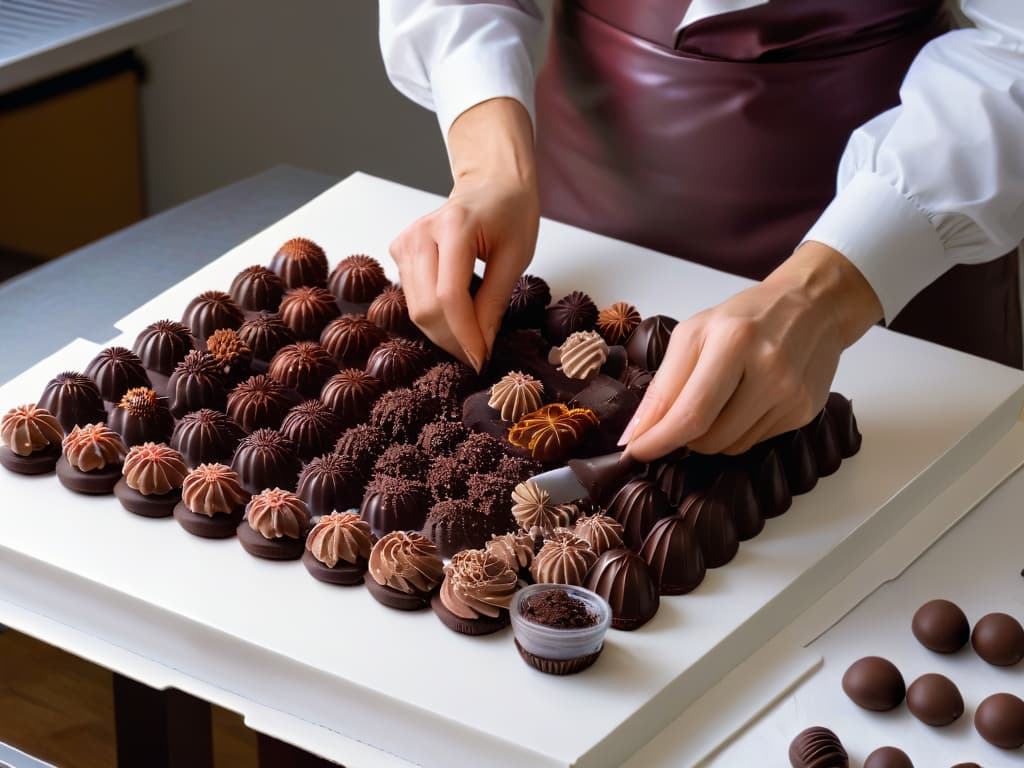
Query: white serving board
{"points": [[265, 638]]}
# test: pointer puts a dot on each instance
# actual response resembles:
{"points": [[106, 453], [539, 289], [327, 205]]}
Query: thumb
{"points": [[491, 301]]}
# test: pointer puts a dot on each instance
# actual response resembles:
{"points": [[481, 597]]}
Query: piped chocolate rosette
{"points": [[338, 549], [275, 525], [151, 486], [92, 460], [476, 593], [405, 569], [550, 433], [517, 549], [533, 509], [581, 355], [30, 440], [564, 558], [212, 502]]}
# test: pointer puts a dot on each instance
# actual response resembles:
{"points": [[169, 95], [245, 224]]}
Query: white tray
{"points": [[332, 670]]}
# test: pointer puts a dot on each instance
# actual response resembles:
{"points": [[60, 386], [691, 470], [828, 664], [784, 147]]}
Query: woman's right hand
{"points": [[492, 214]]}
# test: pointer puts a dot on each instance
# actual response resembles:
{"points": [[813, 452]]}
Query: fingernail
{"points": [[473, 360], [627, 433]]}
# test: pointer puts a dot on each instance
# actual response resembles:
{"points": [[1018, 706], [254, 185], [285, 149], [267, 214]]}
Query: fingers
{"points": [[456, 257], [759, 432], [745, 409], [500, 276]]}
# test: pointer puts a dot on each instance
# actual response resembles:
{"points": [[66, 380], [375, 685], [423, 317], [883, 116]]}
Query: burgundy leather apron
{"points": [[722, 146]]}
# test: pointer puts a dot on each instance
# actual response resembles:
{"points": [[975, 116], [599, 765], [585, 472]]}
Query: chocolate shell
{"points": [[142, 417], [350, 339], [818, 748], [637, 506], [300, 262], [258, 402], [211, 310], [647, 346], [357, 279], [572, 313], [734, 489], [265, 333], [395, 504], [350, 394], [769, 480], [623, 578], [330, 483], [941, 626], [530, 297], [307, 310], [798, 460], [712, 522], [256, 288], [617, 322], [401, 413], [303, 366], [888, 757], [454, 525], [999, 720], [390, 312], [162, 345], [935, 700], [206, 437], [397, 362], [603, 476], [73, 399], [196, 383], [845, 423], [875, 684], [266, 459], [827, 456], [998, 638], [313, 427], [362, 444], [614, 405], [681, 473], [115, 370], [672, 551]]}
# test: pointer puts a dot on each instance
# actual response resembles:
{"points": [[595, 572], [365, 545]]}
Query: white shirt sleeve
{"points": [[938, 180], [449, 55]]}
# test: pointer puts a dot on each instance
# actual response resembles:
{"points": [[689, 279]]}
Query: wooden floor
{"points": [[60, 708]]}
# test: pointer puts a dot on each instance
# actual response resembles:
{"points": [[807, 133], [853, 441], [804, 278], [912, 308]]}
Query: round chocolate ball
{"points": [[934, 700], [999, 720], [999, 639], [941, 626], [888, 757], [874, 683]]}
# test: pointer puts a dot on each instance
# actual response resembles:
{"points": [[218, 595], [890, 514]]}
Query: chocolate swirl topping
{"points": [[154, 469], [228, 350], [27, 429], [93, 446], [581, 355], [563, 559], [340, 537], [477, 583], [532, 508], [276, 514], [516, 395], [600, 531], [213, 489], [408, 562], [552, 431], [515, 549]]}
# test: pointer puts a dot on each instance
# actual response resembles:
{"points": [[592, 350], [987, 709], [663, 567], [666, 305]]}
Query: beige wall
{"points": [[248, 84]]}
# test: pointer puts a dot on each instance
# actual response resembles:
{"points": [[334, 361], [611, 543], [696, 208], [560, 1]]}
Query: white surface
{"points": [[294, 654]]}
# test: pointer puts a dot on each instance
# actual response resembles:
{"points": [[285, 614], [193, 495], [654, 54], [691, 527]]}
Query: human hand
{"points": [[759, 363], [492, 214]]}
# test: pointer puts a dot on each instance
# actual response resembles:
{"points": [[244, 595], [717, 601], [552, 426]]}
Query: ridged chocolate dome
{"points": [[115, 370], [357, 279], [256, 288], [162, 345], [672, 551], [362, 444], [395, 504], [646, 347], [635, 378], [818, 748], [300, 262], [712, 523], [258, 402], [142, 417], [769, 480], [397, 362], [211, 310], [847, 434], [617, 322], [530, 297], [330, 483], [350, 394], [313, 427], [350, 339], [454, 525], [206, 437], [623, 578], [401, 413], [303, 366], [266, 459], [265, 334], [572, 313], [73, 399], [825, 444], [734, 489], [600, 531], [680, 474], [637, 506], [307, 310], [798, 460], [196, 383], [390, 312]]}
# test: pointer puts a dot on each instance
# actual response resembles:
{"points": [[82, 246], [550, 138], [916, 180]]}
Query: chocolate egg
{"points": [[817, 748], [874, 683], [888, 757], [941, 626], [999, 720], [999, 639], [934, 700]]}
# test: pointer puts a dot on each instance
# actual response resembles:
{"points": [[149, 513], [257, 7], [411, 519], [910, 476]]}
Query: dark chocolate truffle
{"points": [[300, 262], [934, 700], [397, 362], [402, 460], [257, 402], [647, 346], [847, 435], [115, 370], [401, 413], [395, 504], [449, 384], [307, 310], [454, 525], [256, 288], [818, 748], [351, 394], [714, 526], [313, 427], [572, 313], [637, 506], [440, 438], [265, 334], [211, 310], [617, 322], [679, 474], [491, 494], [672, 551], [827, 456], [206, 437], [447, 478], [390, 312], [623, 578], [636, 379], [480, 452], [73, 399], [734, 489], [303, 366], [769, 478], [998, 638], [350, 339], [162, 345], [266, 459], [798, 460], [941, 626], [999, 720], [142, 417], [362, 444], [196, 383], [888, 757], [330, 483], [874, 683], [357, 279], [530, 297]]}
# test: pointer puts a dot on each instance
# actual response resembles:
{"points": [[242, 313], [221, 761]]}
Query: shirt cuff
{"points": [[886, 236]]}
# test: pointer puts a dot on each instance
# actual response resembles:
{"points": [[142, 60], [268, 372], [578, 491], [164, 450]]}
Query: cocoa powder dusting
{"points": [[557, 608]]}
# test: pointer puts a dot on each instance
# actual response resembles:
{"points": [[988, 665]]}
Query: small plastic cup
{"points": [[557, 651]]}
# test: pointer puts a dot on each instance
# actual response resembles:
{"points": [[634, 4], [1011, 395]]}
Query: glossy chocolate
{"points": [[769, 479], [350, 394], [734, 489], [350, 339], [847, 434], [797, 455], [303, 366], [330, 483], [573, 312], [142, 417], [397, 362], [266, 459], [307, 310], [825, 444], [998, 638], [603, 476], [357, 279], [265, 333], [258, 402], [115, 370], [818, 747], [73, 399], [196, 383], [624, 579], [256, 288], [934, 700], [941, 626], [162, 345], [999, 720], [206, 437], [300, 262], [454, 525], [713, 525], [395, 504], [530, 297], [389, 311], [211, 310], [646, 347], [874, 683], [888, 757], [672, 551], [313, 427]]}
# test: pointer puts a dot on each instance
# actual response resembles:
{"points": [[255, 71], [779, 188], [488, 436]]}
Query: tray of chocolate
{"points": [[340, 477]]}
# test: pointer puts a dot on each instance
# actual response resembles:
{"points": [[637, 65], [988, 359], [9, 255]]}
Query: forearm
{"points": [[493, 140]]}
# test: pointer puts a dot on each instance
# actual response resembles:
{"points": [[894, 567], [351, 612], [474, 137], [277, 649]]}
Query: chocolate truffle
{"points": [[265, 334], [266, 459], [564, 558], [817, 748], [635, 378], [440, 438], [999, 720], [941, 626], [600, 531], [734, 489], [999, 639], [770, 485], [515, 395], [491, 494], [115, 370], [874, 683], [480, 452], [275, 525], [142, 417], [454, 525], [162, 345], [92, 458], [712, 522], [403, 460], [211, 310], [397, 362], [395, 504], [404, 570], [73, 400], [330, 483], [151, 486], [401, 413], [934, 700], [847, 435], [303, 366], [363, 444], [623, 578], [447, 478], [300, 262], [888, 757], [532, 508], [673, 553], [338, 549], [313, 427], [258, 402], [256, 288], [550, 433], [530, 297], [448, 383], [350, 339], [476, 593], [637, 506], [212, 502], [307, 310], [617, 322], [205, 437], [571, 313], [350, 394], [647, 346], [197, 382], [30, 440], [357, 279], [390, 312], [232, 355], [827, 456], [798, 460]]}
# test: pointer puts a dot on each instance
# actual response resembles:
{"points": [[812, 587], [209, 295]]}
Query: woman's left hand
{"points": [[758, 364]]}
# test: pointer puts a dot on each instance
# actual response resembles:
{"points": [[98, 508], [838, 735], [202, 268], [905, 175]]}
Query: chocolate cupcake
{"points": [[404, 571], [533, 509], [647, 346], [397, 362], [441, 438], [73, 400], [734, 489], [350, 394], [303, 366], [196, 383], [266, 459], [330, 483], [769, 480], [401, 413], [516, 549], [476, 593], [142, 417], [362, 444], [847, 434], [115, 370], [559, 630], [92, 458], [161, 346], [564, 558], [30, 440], [673, 553], [258, 402], [712, 524], [455, 525], [232, 355], [515, 395], [357, 280], [390, 313], [600, 531], [257, 289], [338, 549], [313, 427], [571, 313], [212, 502], [551, 433], [211, 310], [205, 437], [403, 460], [350, 339], [395, 504], [307, 310], [623, 578], [300, 262], [530, 297], [275, 525], [151, 486], [617, 322], [637, 506], [265, 333], [449, 384]]}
